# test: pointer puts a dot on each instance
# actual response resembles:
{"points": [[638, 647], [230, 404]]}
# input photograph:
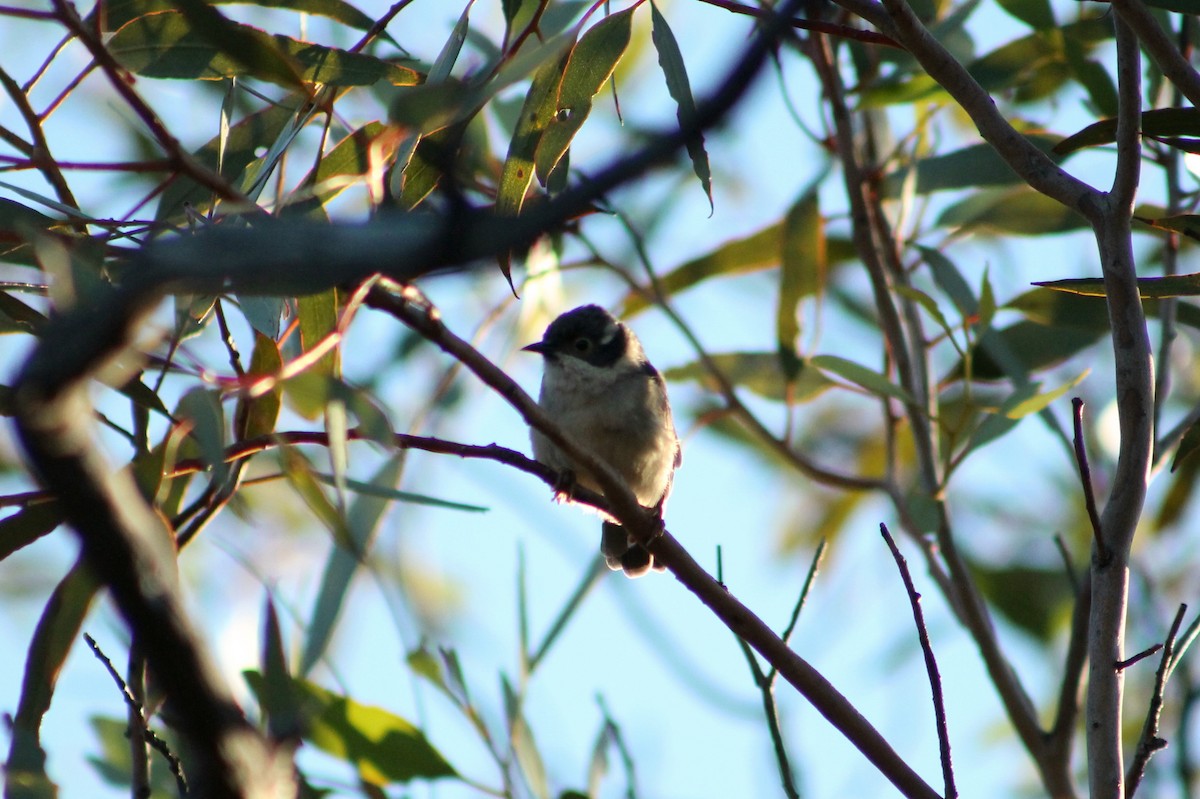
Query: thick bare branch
{"points": [[1030, 163], [1135, 410], [129, 548], [1158, 44]]}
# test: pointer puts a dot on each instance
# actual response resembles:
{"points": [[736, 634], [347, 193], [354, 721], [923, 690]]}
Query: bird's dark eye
{"points": [[583, 344]]}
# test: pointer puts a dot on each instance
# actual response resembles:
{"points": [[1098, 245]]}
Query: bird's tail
{"points": [[623, 553]]}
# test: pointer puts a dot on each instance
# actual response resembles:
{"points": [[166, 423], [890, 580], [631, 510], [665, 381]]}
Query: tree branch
{"points": [[1149, 742], [1134, 375], [1158, 44], [129, 548], [408, 306], [1030, 163]]}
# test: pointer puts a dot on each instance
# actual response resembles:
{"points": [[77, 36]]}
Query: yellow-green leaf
{"points": [[589, 67]]}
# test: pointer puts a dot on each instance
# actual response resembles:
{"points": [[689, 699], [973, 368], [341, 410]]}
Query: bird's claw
{"points": [[564, 486]]}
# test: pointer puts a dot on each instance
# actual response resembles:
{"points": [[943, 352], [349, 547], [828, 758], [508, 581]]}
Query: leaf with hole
{"points": [[589, 67]]}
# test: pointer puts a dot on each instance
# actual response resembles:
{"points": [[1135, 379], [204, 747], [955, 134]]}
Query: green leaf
{"points": [[1094, 77], [1148, 287], [1035, 600], [249, 48], [264, 313], [383, 747], [1187, 224], [760, 250], [950, 280], [1156, 123], [256, 415], [1087, 312], [929, 304], [591, 63], [1036, 63], [362, 521], [28, 525], [803, 265], [1027, 346], [309, 391], [1037, 14], [759, 372], [276, 696], [1022, 212], [444, 672], [57, 631], [529, 758], [971, 167], [1187, 445], [670, 60], [1022, 407], [299, 473], [203, 408], [380, 492], [117, 13], [535, 117], [19, 317], [1181, 488], [168, 45], [340, 168], [861, 376], [536, 114], [240, 155], [17, 223], [520, 14]]}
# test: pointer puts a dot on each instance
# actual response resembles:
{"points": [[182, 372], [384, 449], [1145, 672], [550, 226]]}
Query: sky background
{"points": [[671, 676]]}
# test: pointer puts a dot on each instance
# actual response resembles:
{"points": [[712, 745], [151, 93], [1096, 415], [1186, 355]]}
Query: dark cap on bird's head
{"points": [[588, 333]]}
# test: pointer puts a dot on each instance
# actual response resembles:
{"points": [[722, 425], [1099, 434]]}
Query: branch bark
{"points": [[1135, 406]]}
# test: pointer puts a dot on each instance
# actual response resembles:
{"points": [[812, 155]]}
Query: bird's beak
{"points": [[539, 347]]}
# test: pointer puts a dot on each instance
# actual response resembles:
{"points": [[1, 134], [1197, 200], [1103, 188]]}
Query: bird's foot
{"points": [[565, 485]]}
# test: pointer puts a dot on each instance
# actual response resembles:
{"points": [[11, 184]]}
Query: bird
{"points": [[599, 387]]}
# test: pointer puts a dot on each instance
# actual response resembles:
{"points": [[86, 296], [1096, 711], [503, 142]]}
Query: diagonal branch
{"points": [[407, 305], [1030, 163], [1158, 44]]}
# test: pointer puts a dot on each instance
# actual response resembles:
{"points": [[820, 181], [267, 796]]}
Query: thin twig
{"points": [[931, 668], [838, 31], [766, 689], [135, 708], [41, 155], [813, 569], [1150, 742], [765, 681], [139, 730], [1121, 665], [1062, 733], [1085, 478], [171, 146]]}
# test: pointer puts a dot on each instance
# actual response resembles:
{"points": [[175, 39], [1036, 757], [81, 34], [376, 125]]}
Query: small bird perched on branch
{"points": [[599, 388]]}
